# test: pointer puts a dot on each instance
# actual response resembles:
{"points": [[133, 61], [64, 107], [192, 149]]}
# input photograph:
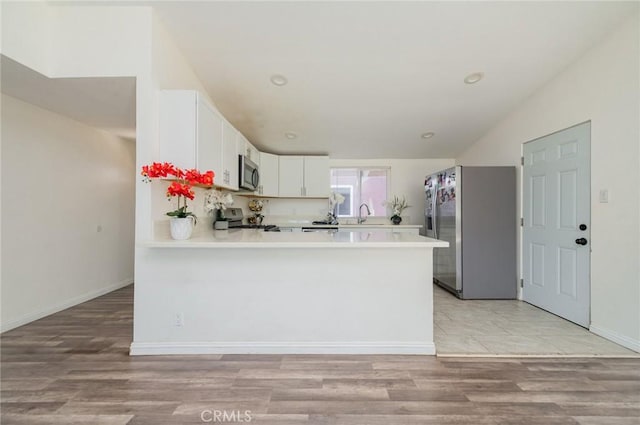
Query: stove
{"points": [[235, 218]]}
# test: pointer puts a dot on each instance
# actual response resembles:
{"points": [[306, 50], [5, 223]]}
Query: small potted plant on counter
{"points": [[397, 206], [255, 206], [182, 221], [217, 201]]}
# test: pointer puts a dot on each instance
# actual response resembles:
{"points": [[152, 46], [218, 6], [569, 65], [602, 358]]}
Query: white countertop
{"points": [[252, 238], [351, 226]]}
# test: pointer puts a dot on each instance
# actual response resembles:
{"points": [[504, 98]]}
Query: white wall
{"points": [[603, 86], [25, 33], [61, 182], [170, 70], [99, 41], [407, 179]]}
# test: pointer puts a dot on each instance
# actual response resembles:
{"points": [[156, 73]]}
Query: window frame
{"points": [[360, 170]]}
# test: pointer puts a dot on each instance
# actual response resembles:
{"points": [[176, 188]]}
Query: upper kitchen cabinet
{"points": [[253, 153], [190, 131], [291, 176], [269, 175], [316, 177], [230, 156], [194, 135], [247, 149], [304, 176]]}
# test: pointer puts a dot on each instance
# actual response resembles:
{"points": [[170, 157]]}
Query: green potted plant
{"points": [[397, 206]]}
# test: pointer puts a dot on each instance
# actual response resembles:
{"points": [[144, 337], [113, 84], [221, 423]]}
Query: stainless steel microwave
{"points": [[249, 174]]}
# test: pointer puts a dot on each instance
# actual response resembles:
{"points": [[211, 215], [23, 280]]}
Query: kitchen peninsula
{"points": [[249, 291]]}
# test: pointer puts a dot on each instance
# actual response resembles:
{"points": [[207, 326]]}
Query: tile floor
{"points": [[509, 327]]}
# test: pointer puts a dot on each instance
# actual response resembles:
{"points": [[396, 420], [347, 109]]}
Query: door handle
{"points": [[581, 241]]}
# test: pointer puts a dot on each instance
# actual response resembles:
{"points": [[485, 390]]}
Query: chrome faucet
{"points": [[360, 219]]}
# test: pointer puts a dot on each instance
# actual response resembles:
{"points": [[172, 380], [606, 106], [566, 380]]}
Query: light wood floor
{"points": [[73, 368]]}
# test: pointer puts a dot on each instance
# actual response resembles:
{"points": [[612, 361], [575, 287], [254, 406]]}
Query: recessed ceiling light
{"points": [[473, 78], [279, 80], [428, 135], [290, 135]]}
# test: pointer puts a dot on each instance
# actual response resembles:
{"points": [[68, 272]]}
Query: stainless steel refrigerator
{"points": [[474, 209]]}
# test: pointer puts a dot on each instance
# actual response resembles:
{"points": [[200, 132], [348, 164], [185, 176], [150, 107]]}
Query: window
{"points": [[361, 186]]}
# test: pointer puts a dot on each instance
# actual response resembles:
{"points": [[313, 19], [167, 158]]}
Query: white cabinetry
{"points": [[253, 153], [269, 175], [291, 180], [230, 170], [247, 149], [190, 131], [304, 176], [194, 135], [316, 177]]}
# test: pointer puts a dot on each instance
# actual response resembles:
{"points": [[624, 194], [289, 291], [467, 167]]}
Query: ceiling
{"points": [[108, 103], [366, 79]]}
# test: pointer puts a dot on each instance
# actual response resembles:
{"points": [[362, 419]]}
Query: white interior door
{"points": [[557, 213]]}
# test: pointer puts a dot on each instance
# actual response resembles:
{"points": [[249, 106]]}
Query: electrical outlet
{"points": [[179, 320]]}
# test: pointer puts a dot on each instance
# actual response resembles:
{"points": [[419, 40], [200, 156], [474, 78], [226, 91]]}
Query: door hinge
{"points": [[522, 283], [522, 160], [521, 221]]}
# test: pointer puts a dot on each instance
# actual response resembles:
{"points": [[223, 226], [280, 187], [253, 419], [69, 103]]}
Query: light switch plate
{"points": [[604, 196]]}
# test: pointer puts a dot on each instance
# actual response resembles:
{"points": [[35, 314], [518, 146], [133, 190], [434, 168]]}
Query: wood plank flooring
{"points": [[73, 368]]}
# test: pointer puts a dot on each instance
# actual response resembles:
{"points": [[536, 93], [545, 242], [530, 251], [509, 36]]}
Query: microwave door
{"points": [[249, 176]]}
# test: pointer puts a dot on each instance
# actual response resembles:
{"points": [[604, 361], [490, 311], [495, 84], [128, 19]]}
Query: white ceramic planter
{"points": [[181, 228]]}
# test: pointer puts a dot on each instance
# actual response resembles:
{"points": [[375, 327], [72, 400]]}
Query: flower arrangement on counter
{"points": [[217, 200], [335, 199], [182, 187], [397, 206]]}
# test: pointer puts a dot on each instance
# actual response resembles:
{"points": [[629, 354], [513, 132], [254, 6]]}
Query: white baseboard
{"points": [[28, 318], [160, 348], [625, 341]]}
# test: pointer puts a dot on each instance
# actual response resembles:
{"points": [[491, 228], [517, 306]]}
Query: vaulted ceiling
{"points": [[367, 79], [364, 79]]}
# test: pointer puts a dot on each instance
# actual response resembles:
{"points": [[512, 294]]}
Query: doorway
{"points": [[557, 219]]}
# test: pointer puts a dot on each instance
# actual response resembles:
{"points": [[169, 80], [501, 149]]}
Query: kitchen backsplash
{"points": [[276, 210]]}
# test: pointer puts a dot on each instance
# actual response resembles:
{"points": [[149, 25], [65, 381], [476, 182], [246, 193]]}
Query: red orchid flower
{"points": [[182, 186]]}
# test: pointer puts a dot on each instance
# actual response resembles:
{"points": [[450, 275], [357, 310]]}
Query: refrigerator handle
{"points": [[434, 202]]}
